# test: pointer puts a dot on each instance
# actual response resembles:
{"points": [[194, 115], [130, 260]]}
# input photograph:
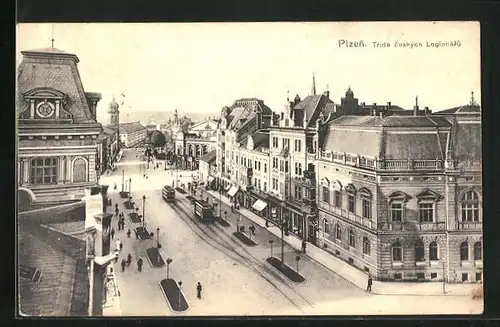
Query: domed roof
{"points": [[113, 105], [297, 98], [349, 92]]}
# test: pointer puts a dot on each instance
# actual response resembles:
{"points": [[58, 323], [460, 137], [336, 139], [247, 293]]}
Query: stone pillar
{"points": [[68, 169], [32, 108], [26, 170], [60, 175], [58, 107]]}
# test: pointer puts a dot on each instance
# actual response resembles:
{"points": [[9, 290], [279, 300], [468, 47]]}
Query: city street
{"points": [[236, 278]]}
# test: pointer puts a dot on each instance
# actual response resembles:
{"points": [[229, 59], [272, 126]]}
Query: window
{"points": [[281, 165], [265, 168], [265, 186], [465, 277], [286, 143], [464, 251], [419, 251], [298, 192], [351, 202], [426, 212], [397, 253], [326, 194], [396, 211], [478, 251], [44, 171], [236, 158], [326, 227], [470, 206], [79, 171], [338, 198], [367, 208], [275, 142], [352, 239], [338, 232], [255, 164], [258, 166], [434, 275], [433, 251], [298, 145], [398, 276], [287, 122], [366, 246], [478, 276], [286, 166]]}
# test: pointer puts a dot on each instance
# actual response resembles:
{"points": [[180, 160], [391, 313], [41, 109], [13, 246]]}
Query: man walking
{"points": [[198, 290], [124, 263], [139, 264], [112, 233], [369, 286], [118, 244]]}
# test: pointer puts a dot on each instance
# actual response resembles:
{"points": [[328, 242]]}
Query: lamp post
{"points": [[297, 258], [180, 285], [130, 187], [123, 179], [271, 242], [444, 277], [158, 237], [169, 261], [143, 210]]}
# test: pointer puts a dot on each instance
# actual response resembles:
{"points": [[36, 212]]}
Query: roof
{"points": [[131, 127], [465, 109], [260, 140], [374, 136], [209, 157], [37, 71], [312, 106], [392, 121], [59, 258], [467, 141]]}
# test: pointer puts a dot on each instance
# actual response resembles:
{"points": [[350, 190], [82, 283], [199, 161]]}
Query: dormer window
{"points": [[45, 103]]}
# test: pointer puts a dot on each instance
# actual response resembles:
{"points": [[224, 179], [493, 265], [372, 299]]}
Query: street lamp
{"points": [[169, 261], [271, 242], [123, 179], [444, 278], [130, 187], [297, 258], [143, 209], [158, 245]]}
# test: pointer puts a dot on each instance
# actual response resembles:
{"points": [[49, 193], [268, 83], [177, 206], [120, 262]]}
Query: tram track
{"points": [[209, 235]]}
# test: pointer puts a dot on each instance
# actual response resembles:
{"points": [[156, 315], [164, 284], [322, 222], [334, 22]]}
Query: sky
{"points": [[200, 67]]}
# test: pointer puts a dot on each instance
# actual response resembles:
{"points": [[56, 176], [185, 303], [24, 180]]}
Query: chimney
{"points": [[426, 111], [415, 108], [327, 94], [389, 106]]}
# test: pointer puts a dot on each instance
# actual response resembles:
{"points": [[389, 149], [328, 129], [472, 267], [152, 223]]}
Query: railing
{"points": [[469, 224], [347, 214], [411, 226], [384, 164]]}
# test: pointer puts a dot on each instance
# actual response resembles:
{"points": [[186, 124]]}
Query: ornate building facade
{"points": [[57, 127], [400, 197]]}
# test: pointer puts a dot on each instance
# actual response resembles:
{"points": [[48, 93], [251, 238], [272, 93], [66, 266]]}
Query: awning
{"points": [[210, 179], [228, 186], [232, 191], [259, 205]]}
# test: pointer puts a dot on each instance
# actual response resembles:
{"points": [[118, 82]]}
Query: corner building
{"points": [[57, 127], [400, 197]]}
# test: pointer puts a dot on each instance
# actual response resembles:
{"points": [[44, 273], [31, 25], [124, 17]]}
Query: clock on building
{"points": [[45, 109]]}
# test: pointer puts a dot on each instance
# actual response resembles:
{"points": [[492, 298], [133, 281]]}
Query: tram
{"points": [[203, 210], [168, 193]]}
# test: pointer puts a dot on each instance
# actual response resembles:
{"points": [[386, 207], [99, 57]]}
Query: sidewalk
{"points": [[352, 274]]}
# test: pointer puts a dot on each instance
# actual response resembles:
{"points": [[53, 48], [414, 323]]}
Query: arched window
{"points": [[338, 232], [79, 171], [326, 226], [464, 251], [469, 204], [352, 239], [433, 251], [366, 246], [419, 251], [397, 252], [478, 251]]}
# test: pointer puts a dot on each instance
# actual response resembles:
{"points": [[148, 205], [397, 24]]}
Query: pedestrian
{"points": [[112, 233], [109, 202], [136, 235], [128, 233], [129, 259], [124, 263], [369, 286], [304, 246], [139, 264], [118, 244], [252, 229], [198, 290], [116, 211], [114, 187]]}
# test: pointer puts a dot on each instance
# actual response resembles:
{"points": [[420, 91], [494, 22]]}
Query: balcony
{"points": [[469, 225], [411, 226], [299, 180], [347, 214], [382, 164]]}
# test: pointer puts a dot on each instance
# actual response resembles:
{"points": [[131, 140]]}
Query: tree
{"points": [[158, 140]]}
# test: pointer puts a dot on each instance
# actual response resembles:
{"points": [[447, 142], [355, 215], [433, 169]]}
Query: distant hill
{"points": [[163, 116]]}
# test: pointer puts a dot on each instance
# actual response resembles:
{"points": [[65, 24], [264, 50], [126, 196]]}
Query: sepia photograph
{"points": [[249, 169]]}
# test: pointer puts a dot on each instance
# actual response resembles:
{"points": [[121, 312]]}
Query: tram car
{"points": [[203, 210], [168, 193]]}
